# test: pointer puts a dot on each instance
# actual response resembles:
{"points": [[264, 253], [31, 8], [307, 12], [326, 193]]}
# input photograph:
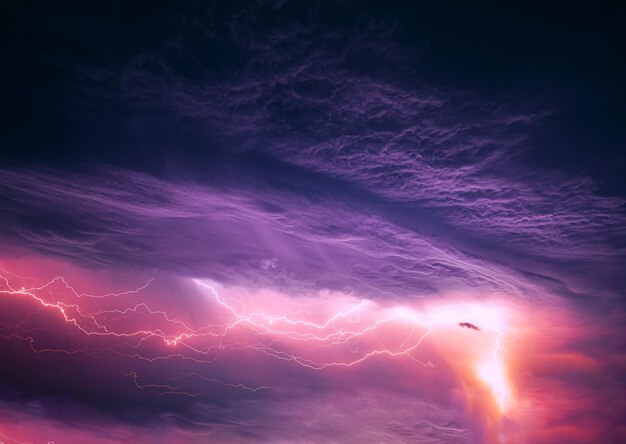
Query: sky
{"points": [[307, 222]]}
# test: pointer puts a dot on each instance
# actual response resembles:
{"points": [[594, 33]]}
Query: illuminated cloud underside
{"points": [[242, 299]]}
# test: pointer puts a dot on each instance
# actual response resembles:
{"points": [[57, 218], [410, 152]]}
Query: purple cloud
{"points": [[263, 237], [429, 151]]}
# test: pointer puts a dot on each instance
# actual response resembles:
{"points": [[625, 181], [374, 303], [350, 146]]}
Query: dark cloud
{"points": [[469, 325], [442, 162], [440, 155]]}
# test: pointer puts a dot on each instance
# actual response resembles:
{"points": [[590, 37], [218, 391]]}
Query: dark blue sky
{"points": [[565, 59]]}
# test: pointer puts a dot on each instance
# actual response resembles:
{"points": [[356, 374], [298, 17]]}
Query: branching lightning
{"points": [[346, 337]]}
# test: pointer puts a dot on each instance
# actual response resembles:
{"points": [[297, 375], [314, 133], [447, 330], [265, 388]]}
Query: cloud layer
{"points": [[303, 163]]}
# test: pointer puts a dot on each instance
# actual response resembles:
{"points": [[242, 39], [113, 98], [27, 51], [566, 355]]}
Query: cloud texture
{"points": [[296, 255]]}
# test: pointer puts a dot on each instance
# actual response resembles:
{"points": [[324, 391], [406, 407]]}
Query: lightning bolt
{"points": [[343, 338]]}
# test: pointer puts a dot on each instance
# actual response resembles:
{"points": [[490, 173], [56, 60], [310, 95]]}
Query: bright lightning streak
{"points": [[357, 332]]}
